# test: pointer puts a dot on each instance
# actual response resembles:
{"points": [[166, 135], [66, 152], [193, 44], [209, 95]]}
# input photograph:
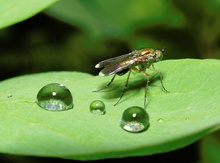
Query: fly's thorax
{"points": [[148, 56], [146, 51]]}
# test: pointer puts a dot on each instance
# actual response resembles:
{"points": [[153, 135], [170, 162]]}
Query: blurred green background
{"points": [[74, 35]]}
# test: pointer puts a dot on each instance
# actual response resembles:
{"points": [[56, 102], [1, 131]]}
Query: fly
{"points": [[137, 61]]}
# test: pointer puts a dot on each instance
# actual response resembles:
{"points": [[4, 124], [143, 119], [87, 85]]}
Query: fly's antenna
{"points": [[163, 49]]}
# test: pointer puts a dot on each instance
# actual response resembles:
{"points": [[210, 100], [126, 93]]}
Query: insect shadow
{"points": [[136, 86]]}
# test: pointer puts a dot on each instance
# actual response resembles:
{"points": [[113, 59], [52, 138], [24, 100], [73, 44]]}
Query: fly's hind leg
{"points": [[125, 88], [146, 88], [107, 84]]}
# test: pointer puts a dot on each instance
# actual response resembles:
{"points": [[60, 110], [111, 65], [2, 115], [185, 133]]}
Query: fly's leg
{"points": [[107, 84], [146, 88], [125, 88], [161, 77], [136, 70]]}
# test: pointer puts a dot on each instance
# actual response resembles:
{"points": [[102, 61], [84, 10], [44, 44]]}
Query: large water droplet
{"points": [[97, 107], [134, 119], [55, 97]]}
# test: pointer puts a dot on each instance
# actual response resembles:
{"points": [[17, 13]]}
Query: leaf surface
{"points": [[190, 111]]}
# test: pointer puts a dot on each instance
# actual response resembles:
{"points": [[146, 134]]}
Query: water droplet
{"points": [[9, 95], [160, 120], [97, 107], [134, 119], [186, 118], [55, 97]]}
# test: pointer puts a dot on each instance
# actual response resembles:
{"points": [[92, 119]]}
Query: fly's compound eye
{"points": [[159, 55]]}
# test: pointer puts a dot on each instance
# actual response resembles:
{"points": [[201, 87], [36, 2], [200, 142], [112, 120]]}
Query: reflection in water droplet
{"points": [[160, 120], [134, 119], [97, 107], [55, 97]]}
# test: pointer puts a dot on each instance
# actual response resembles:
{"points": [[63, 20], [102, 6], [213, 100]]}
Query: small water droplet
{"points": [[186, 118], [97, 107], [160, 120], [134, 119], [55, 97], [9, 95]]}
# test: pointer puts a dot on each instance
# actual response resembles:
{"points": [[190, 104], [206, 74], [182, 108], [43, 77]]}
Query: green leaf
{"points": [[15, 11], [190, 111]]}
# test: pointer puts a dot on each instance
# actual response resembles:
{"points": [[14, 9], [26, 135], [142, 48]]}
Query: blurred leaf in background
{"points": [[210, 148], [101, 19], [15, 11]]}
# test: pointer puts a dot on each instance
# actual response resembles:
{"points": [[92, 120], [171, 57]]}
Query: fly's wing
{"points": [[114, 60], [116, 67]]}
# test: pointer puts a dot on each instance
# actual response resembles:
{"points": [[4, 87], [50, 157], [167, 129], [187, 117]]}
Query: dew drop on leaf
{"points": [[134, 119], [160, 120], [55, 97], [97, 107], [9, 95]]}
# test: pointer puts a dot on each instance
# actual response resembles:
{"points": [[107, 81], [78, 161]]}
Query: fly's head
{"points": [[158, 55]]}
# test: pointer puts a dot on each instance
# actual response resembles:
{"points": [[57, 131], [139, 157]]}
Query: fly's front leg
{"points": [[161, 76], [107, 84]]}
